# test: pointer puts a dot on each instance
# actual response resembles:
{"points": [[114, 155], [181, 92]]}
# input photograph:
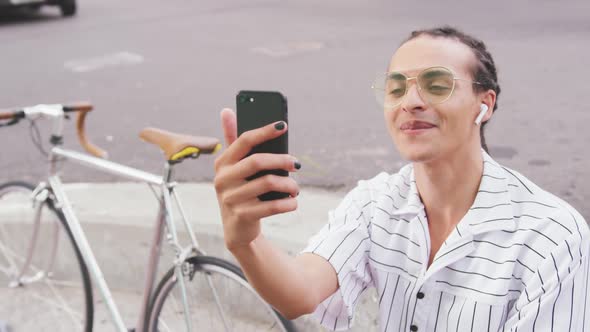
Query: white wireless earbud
{"points": [[482, 111]]}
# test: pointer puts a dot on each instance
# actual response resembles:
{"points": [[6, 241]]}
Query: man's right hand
{"points": [[297, 284], [241, 210]]}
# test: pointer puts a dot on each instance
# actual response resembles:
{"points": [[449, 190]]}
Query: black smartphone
{"points": [[256, 109]]}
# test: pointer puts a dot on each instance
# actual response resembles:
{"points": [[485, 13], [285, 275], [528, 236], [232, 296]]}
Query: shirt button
{"points": [[420, 295], [413, 328]]}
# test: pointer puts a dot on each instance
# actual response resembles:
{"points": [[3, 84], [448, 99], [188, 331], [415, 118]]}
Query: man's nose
{"points": [[413, 101]]}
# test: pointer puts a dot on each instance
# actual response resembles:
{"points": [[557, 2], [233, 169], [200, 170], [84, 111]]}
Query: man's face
{"points": [[453, 119]]}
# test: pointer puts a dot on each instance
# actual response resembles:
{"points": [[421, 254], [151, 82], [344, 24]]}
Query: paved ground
{"points": [[121, 228], [175, 64]]}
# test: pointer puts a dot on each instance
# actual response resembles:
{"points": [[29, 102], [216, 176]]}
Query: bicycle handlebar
{"points": [[81, 108], [86, 144], [78, 107]]}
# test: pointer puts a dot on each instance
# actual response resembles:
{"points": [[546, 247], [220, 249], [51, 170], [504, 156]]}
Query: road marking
{"points": [[316, 168], [288, 49], [104, 61]]}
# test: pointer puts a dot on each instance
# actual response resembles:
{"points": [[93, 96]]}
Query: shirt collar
{"points": [[412, 205], [491, 209]]}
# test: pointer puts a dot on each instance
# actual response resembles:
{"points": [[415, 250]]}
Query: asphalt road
{"points": [[175, 64]]}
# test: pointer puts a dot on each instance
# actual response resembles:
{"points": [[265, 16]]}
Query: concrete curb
{"points": [[133, 204]]}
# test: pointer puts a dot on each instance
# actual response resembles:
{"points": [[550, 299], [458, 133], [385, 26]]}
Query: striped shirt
{"points": [[517, 261]]}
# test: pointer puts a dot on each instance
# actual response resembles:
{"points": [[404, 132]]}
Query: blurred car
{"points": [[67, 7]]}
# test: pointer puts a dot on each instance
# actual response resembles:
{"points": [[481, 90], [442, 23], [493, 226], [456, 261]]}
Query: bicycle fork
{"points": [[38, 196], [179, 263], [195, 247]]}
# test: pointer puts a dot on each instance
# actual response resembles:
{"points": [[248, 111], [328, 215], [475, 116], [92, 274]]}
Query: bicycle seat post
{"points": [[168, 172], [167, 190]]}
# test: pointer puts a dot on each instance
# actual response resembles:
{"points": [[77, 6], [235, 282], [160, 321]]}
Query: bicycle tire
{"points": [[26, 290], [209, 266]]}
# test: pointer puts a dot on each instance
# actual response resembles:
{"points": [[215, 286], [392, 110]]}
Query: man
{"points": [[452, 242]]}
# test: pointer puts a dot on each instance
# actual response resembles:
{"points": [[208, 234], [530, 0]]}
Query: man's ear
{"points": [[488, 98]]}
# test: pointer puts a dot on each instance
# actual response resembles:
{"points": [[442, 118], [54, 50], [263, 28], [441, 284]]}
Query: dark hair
{"points": [[484, 72]]}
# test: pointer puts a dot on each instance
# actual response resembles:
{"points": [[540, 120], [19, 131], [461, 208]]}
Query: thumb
{"points": [[229, 125]]}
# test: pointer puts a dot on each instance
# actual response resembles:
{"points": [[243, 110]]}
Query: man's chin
{"points": [[416, 154]]}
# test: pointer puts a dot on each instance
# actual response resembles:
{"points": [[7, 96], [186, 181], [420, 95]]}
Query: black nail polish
{"points": [[297, 165], [280, 125]]}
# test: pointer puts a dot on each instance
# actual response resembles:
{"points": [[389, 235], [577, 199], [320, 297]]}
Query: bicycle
{"points": [[46, 260]]}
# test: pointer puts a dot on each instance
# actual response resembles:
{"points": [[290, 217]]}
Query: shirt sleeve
{"points": [[344, 243], [556, 298]]}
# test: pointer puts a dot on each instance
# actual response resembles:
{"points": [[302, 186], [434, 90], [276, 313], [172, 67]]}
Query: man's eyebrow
{"points": [[406, 72], [396, 75], [433, 73]]}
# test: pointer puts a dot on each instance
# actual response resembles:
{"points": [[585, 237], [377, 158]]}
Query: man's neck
{"points": [[448, 186]]}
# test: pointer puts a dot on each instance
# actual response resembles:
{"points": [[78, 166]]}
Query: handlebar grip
{"points": [[78, 107], [91, 148], [8, 115]]}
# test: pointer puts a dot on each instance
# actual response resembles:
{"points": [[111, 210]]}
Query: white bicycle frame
{"points": [[165, 218]]}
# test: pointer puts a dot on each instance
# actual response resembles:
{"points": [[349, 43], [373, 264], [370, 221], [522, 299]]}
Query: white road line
{"points": [[104, 61]]}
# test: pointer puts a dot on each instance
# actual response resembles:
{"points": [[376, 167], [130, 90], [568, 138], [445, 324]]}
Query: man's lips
{"points": [[414, 125]]}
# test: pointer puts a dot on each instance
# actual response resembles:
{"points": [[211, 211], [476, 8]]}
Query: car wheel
{"points": [[68, 7], [34, 8]]}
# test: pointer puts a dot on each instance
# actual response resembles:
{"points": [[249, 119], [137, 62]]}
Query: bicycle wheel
{"points": [[41, 269], [231, 297]]}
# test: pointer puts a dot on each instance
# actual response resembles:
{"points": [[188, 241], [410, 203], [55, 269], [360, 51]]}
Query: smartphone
{"points": [[256, 109]]}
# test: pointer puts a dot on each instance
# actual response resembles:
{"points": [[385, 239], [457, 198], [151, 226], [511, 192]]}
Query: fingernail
{"points": [[297, 165], [280, 125]]}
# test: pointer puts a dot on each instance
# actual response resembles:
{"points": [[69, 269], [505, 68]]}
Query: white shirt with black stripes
{"points": [[517, 261]]}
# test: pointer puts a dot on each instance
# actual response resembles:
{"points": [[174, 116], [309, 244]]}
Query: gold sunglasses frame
{"points": [[408, 79]]}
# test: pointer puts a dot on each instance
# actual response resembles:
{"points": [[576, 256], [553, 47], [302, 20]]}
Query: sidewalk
{"points": [[134, 204], [118, 219]]}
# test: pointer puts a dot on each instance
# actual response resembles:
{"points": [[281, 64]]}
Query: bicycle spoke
{"points": [[163, 327], [5, 271], [62, 301], [57, 305], [220, 299], [6, 251], [218, 303], [53, 285]]}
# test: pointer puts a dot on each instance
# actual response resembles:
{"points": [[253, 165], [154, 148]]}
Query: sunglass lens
{"points": [[390, 90], [436, 84]]}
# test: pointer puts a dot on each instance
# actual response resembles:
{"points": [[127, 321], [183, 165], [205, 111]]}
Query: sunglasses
{"points": [[435, 86]]}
